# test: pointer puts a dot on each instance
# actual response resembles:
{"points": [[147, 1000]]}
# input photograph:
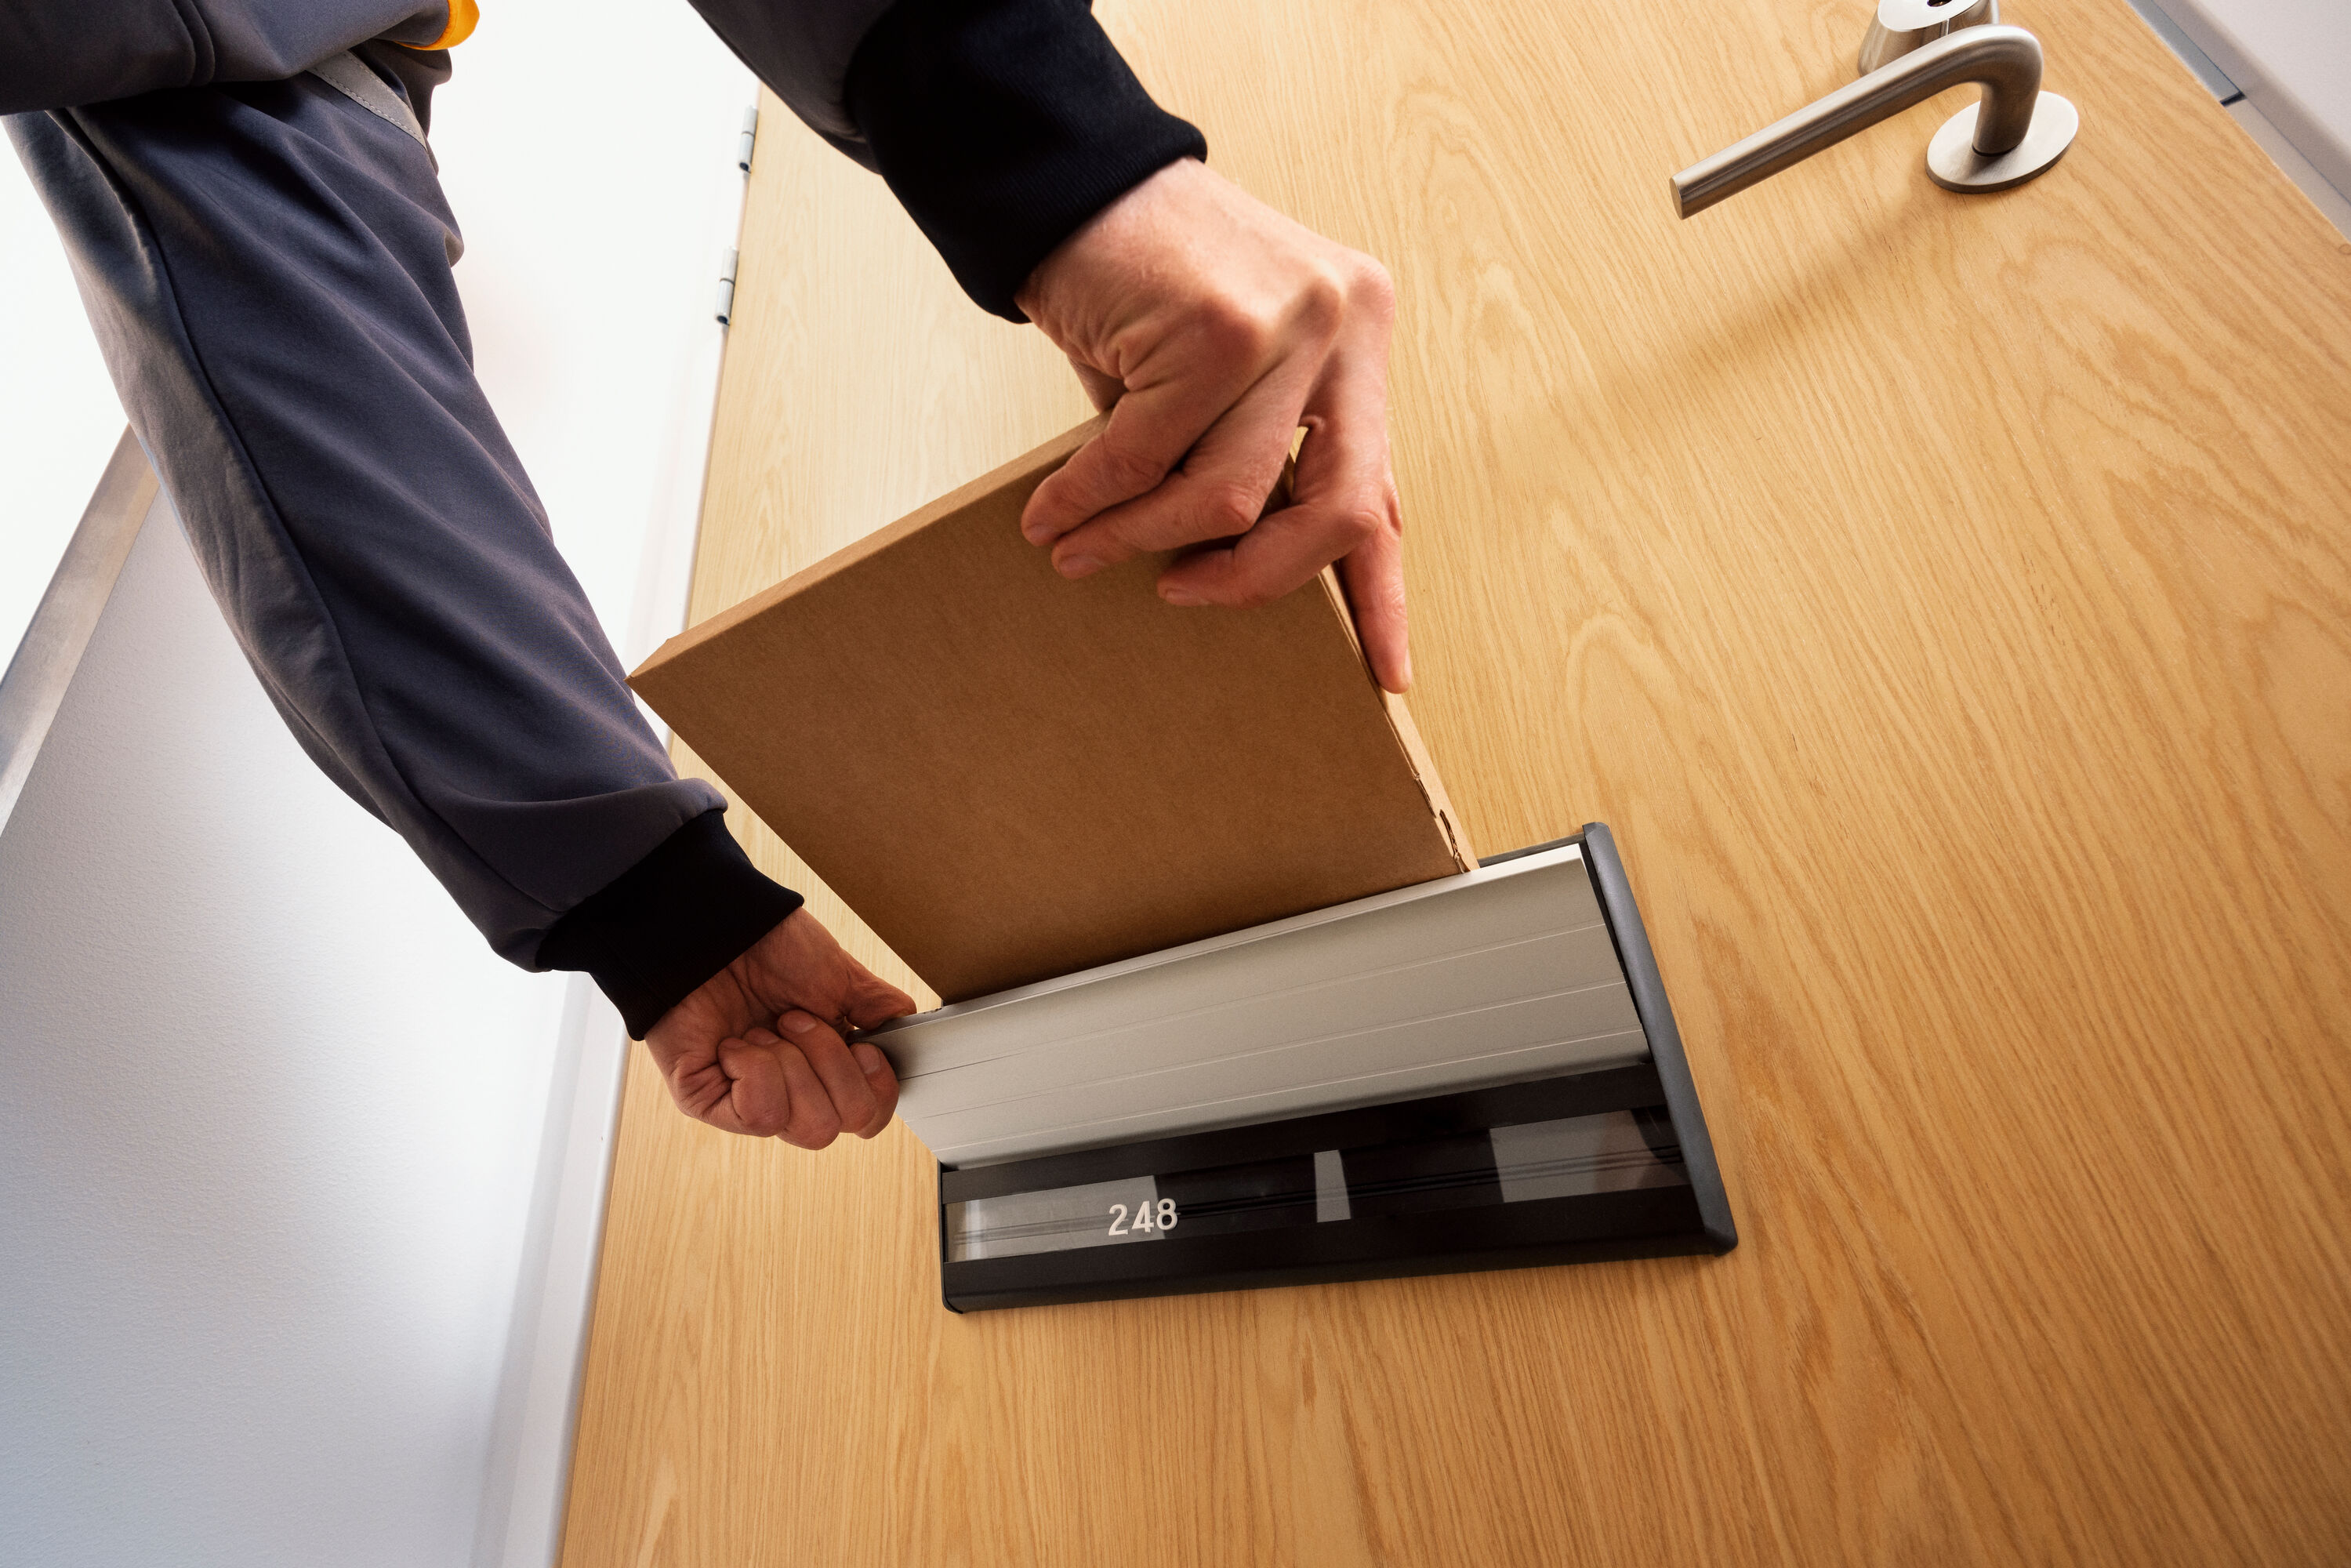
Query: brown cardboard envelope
{"points": [[1010, 777]]}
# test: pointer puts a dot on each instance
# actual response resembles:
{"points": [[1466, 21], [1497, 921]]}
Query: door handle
{"points": [[1902, 26], [2015, 132]]}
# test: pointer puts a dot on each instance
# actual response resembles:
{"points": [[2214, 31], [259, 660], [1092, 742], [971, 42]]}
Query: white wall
{"points": [[58, 414], [2283, 69], [267, 1191], [2292, 59], [303, 1185], [588, 149]]}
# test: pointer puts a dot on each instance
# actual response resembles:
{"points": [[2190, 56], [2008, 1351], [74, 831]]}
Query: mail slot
{"points": [[1476, 1072]]}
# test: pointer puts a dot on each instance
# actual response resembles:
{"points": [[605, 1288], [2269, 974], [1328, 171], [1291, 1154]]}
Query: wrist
{"points": [[1003, 126], [1098, 238], [671, 923]]}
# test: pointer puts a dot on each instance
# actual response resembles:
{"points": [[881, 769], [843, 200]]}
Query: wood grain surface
{"points": [[1948, 602]]}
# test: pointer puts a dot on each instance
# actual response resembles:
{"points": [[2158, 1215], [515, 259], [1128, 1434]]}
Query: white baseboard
{"points": [[521, 1522]]}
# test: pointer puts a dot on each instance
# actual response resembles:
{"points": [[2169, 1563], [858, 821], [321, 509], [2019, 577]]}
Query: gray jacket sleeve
{"points": [[58, 54], [267, 265], [268, 268]]}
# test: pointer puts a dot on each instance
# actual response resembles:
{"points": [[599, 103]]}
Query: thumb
{"points": [[1102, 388], [875, 1000]]}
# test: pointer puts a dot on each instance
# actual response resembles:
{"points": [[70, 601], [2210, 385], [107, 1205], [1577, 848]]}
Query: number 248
{"points": [[1148, 1216]]}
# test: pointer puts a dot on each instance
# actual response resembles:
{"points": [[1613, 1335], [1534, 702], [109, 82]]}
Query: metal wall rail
{"points": [[35, 685]]}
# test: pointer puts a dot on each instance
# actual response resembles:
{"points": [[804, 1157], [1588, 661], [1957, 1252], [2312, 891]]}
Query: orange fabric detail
{"points": [[464, 16]]}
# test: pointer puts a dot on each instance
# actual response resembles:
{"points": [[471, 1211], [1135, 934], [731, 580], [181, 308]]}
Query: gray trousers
{"points": [[267, 265]]}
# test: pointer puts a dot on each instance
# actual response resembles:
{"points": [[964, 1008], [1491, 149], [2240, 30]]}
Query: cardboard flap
{"points": [[1010, 777]]}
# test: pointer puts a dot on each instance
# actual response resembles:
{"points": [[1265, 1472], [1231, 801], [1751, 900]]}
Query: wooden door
{"points": [[1946, 599]]}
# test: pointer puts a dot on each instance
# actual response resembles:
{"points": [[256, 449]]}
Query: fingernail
{"points": [[1182, 598], [797, 1022], [1076, 566], [1036, 533]]}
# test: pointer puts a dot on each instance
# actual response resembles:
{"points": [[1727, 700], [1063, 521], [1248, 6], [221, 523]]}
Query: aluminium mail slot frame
{"points": [[1692, 1215]]}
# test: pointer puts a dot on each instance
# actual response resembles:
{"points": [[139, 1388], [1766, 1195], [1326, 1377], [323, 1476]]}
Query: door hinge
{"points": [[726, 260], [749, 140]]}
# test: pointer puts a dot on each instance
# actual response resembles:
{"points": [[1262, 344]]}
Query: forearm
{"points": [[267, 270]]}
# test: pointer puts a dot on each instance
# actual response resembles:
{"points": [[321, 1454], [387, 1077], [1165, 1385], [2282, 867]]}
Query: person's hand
{"points": [[758, 1048], [1214, 328]]}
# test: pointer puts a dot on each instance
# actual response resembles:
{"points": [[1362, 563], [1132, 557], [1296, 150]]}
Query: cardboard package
{"points": [[1010, 775]]}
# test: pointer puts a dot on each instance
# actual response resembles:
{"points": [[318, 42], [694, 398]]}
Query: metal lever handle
{"points": [[1902, 26], [2015, 132]]}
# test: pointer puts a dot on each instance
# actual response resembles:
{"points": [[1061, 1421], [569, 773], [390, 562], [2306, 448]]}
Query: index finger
{"points": [[1151, 428], [1345, 512], [875, 1000], [846, 1082]]}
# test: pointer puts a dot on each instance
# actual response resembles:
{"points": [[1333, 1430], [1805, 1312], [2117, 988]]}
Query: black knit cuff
{"points": [[1002, 125], [669, 922]]}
